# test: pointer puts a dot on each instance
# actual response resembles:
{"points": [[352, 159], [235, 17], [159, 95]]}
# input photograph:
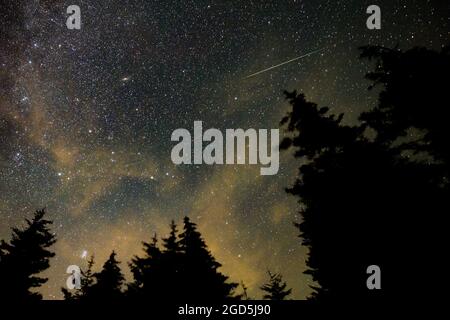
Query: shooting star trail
{"points": [[286, 62]]}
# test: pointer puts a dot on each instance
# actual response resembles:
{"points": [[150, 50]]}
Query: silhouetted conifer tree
{"points": [[170, 244], [200, 273], [147, 273], [172, 266], [275, 289], [182, 270], [108, 282], [24, 257]]}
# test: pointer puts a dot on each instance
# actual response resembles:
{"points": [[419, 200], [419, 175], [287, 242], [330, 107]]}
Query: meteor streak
{"points": [[283, 63]]}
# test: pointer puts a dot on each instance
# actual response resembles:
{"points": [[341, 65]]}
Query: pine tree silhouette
{"points": [[147, 273], [170, 243], [108, 282], [275, 289], [200, 273], [182, 270], [25, 256], [158, 275], [87, 280], [172, 266]]}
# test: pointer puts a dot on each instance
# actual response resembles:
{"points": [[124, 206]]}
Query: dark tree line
{"points": [[377, 192], [181, 269]]}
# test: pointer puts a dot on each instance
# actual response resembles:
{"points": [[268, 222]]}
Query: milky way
{"points": [[86, 118]]}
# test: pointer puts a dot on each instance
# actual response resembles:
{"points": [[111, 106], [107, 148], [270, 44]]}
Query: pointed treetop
{"points": [[275, 289]]}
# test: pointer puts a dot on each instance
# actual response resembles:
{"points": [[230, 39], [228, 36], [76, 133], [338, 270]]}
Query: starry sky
{"points": [[86, 118]]}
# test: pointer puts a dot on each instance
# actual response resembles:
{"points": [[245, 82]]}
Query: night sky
{"points": [[86, 118]]}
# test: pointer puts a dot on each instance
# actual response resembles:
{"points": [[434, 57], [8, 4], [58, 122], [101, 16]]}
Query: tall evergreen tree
{"points": [[108, 282], [201, 276], [147, 273], [172, 266], [275, 289], [170, 244], [182, 269], [24, 257], [87, 280]]}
